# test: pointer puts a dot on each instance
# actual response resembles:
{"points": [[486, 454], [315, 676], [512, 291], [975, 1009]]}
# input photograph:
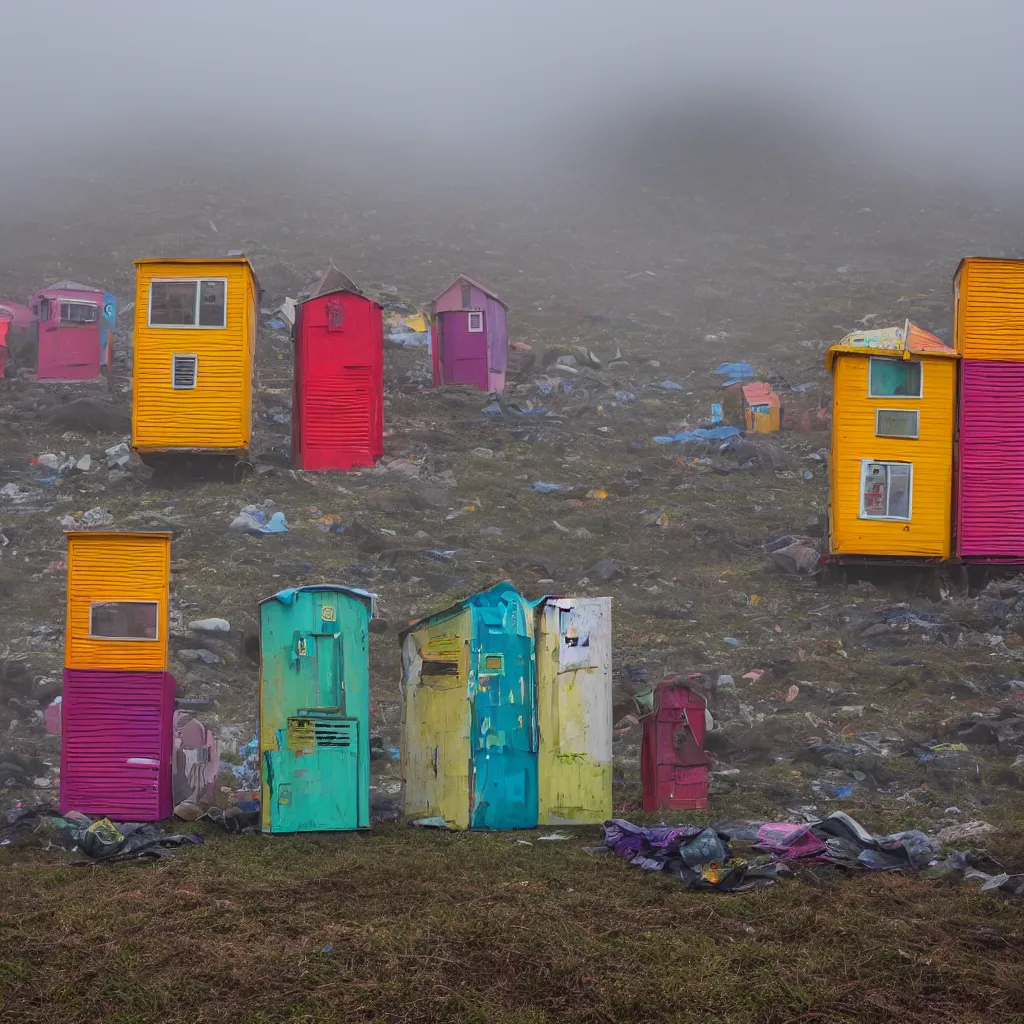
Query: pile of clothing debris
{"points": [[702, 858], [101, 841]]}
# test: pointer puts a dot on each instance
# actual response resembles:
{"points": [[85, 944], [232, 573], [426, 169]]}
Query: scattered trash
{"points": [[118, 456], [554, 837], [966, 832], [700, 434], [731, 641], [87, 520], [734, 370], [253, 519], [670, 385], [545, 488], [437, 822]]}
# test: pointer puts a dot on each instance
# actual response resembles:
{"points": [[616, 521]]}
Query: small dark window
{"points": [[467, 296], [439, 668], [335, 316], [123, 620], [184, 370], [211, 304], [44, 310], [78, 313]]}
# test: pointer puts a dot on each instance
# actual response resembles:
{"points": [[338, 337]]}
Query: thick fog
{"points": [[929, 82]]}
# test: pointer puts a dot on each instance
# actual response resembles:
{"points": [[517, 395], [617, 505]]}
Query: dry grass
{"points": [[470, 928]]}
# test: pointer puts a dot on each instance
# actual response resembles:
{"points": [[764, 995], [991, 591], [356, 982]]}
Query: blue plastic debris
{"points": [[669, 385], [275, 325], [493, 410], [329, 948], [544, 488], [700, 434], [716, 412], [731, 641], [735, 370], [802, 387], [277, 524], [624, 397]]}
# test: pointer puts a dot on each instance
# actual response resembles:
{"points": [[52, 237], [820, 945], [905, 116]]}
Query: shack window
{"points": [[890, 378], [79, 313], [885, 490], [897, 422], [467, 296], [187, 303], [335, 316], [476, 323], [123, 620], [44, 310]]}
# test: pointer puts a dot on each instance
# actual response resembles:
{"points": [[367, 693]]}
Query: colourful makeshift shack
{"points": [[314, 710], [673, 764], [338, 401], [891, 462], [469, 716], [762, 408], [195, 341], [471, 336], [574, 709], [988, 333], [118, 702], [75, 325]]}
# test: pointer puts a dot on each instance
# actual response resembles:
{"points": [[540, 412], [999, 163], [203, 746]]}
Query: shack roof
{"points": [[70, 286], [984, 259], [330, 282], [897, 342], [760, 393], [447, 613], [203, 261], [474, 284], [287, 596]]}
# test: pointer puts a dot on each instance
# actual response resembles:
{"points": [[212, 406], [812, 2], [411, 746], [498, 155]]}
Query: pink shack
{"points": [[471, 339], [75, 324]]}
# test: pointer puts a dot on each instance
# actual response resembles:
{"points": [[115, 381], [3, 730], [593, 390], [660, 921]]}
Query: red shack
{"points": [[673, 765], [338, 398]]}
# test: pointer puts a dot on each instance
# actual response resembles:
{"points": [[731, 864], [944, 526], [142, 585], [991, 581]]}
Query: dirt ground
{"points": [[704, 254]]}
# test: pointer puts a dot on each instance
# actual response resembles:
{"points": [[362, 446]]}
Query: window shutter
{"points": [[184, 372]]}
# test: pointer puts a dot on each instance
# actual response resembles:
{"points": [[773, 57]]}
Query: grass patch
{"points": [[428, 927]]}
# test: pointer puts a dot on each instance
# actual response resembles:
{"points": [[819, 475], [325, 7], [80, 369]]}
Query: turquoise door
{"points": [[313, 767], [504, 728]]}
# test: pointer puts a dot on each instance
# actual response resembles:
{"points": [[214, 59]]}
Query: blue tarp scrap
{"points": [[544, 488], [700, 434], [738, 370]]}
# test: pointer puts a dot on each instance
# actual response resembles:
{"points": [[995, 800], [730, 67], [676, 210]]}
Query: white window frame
{"points": [[864, 464], [195, 378], [126, 639], [61, 303], [198, 282], [478, 313], [893, 359], [916, 436]]}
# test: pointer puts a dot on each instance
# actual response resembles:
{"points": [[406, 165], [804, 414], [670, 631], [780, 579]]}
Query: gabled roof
{"points": [[897, 342], [70, 286], [474, 284], [332, 280], [760, 393], [455, 609]]}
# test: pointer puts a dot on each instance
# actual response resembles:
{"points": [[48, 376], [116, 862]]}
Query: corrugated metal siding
{"points": [[990, 506], [116, 744], [989, 316], [928, 534], [574, 711], [116, 567], [217, 414]]}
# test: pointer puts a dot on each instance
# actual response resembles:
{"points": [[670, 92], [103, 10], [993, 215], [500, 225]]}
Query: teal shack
{"points": [[469, 713], [315, 709]]}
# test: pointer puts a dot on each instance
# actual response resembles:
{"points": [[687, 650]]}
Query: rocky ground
{"points": [[822, 696]]}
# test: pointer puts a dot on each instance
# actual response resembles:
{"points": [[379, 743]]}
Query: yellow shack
{"points": [[891, 462], [195, 342], [988, 309], [118, 599]]}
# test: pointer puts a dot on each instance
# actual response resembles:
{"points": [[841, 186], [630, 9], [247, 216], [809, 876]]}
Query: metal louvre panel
{"points": [[337, 411]]}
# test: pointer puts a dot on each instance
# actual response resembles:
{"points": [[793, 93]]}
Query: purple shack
{"points": [[471, 336]]}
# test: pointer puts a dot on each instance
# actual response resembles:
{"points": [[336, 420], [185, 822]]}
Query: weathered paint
{"points": [[113, 567], [762, 409], [990, 486], [854, 439], [338, 404], [483, 704], [116, 744], [68, 350], [108, 325], [315, 709], [216, 415], [466, 294], [988, 309], [673, 765], [574, 710]]}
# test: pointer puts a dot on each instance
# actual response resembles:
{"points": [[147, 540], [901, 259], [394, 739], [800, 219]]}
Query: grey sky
{"points": [[933, 78]]}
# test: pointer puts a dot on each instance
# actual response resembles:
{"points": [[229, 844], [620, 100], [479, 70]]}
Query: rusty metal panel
{"points": [[574, 710]]}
